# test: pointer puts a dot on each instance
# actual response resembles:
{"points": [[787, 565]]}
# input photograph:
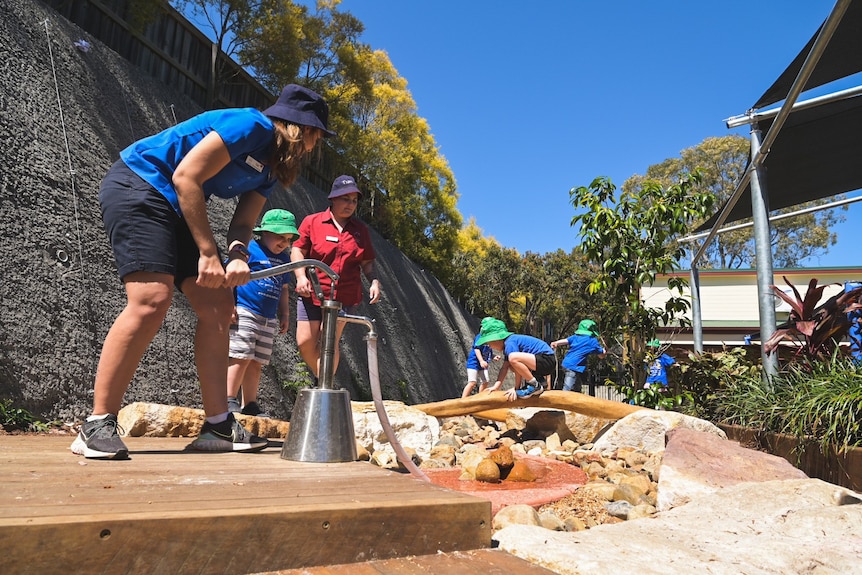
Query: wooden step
{"points": [[167, 510]]}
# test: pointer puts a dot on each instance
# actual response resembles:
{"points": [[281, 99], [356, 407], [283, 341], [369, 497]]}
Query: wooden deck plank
{"points": [[170, 511], [475, 562]]}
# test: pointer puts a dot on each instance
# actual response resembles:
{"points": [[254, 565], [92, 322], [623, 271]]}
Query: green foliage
{"points": [[722, 161], [12, 417], [412, 196], [488, 281], [631, 238], [820, 402], [404, 389], [654, 397], [704, 376]]}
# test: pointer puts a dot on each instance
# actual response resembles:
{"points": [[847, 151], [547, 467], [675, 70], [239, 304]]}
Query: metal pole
{"points": [[754, 117], [330, 309], [696, 321], [778, 218], [763, 255]]}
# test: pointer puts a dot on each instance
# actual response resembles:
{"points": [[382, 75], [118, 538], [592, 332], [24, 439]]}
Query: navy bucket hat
{"points": [[299, 105], [343, 185]]}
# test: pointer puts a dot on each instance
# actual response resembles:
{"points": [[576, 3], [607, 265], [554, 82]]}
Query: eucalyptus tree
{"points": [[233, 26], [722, 162]]}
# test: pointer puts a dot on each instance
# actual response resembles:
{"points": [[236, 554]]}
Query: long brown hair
{"points": [[288, 151]]}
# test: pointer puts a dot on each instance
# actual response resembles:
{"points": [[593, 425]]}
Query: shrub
{"points": [[818, 402], [12, 418], [704, 376]]}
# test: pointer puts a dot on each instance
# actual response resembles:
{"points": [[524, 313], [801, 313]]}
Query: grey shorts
{"points": [[307, 311], [251, 337], [480, 375]]}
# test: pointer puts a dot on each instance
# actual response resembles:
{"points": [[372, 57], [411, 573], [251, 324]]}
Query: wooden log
{"points": [[494, 405]]}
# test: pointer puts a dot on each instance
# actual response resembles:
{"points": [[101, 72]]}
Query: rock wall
{"points": [[64, 116]]}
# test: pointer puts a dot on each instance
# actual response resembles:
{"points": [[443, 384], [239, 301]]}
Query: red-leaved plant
{"points": [[814, 330]]}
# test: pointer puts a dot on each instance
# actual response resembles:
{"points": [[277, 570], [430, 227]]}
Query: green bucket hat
{"points": [[492, 330], [278, 222], [587, 327]]}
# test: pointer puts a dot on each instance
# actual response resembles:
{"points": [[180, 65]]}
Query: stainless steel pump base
{"points": [[321, 428]]}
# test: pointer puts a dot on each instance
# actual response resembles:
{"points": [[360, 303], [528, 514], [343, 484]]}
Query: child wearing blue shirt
{"points": [[477, 365], [529, 357], [583, 343], [262, 310], [657, 369]]}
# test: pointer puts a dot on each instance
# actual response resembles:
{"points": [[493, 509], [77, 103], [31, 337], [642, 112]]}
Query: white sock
{"points": [[215, 419], [98, 417]]}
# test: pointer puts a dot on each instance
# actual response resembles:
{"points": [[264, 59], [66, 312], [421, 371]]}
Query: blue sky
{"points": [[526, 101]]}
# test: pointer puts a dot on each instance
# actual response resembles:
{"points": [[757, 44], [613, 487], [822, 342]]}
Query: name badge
{"points": [[254, 163], [332, 238]]}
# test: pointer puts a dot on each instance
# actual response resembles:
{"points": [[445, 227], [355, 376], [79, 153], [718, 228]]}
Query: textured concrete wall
{"points": [[64, 117]]}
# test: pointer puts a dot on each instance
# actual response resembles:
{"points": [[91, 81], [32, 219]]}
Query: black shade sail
{"points": [[818, 152], [841, 58]]}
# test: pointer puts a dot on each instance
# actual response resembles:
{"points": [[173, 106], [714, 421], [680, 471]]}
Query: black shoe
{"points": [[228, 435], [253, 408], [100, 439]]}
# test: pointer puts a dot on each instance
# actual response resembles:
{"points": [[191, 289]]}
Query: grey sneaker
{"points": [[228, 435], [529, 390], [233, 405], [100, 439]]}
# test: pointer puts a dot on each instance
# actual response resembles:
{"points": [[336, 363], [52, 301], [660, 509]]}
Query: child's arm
{"points": [[482, 363], [558, 342]]}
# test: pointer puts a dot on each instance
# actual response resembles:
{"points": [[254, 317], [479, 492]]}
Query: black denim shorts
{"points": [[145, 232]]}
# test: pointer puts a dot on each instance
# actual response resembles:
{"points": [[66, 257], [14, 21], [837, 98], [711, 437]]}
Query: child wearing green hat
{"points": [[583, 343], [657, 368], [529, 357], [262, 310]]}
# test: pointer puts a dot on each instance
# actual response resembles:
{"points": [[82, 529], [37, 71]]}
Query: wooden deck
{"points": [[478, 562], [167, 510]]}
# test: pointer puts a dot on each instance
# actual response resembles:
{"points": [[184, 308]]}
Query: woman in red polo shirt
{"points": [[343, 243]]}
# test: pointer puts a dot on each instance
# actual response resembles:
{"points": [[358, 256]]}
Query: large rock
{"points": [[645, 430], [696, 463], [539, 422], [789, 527], [413, 429], [157, 420]]}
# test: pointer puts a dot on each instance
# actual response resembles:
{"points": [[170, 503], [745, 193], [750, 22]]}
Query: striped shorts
{"points": [[251, 337]]}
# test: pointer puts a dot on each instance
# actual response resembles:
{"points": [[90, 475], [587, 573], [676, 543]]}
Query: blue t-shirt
{"points": [[261, 296], [526, 344], [248, 135], [658, 369], [580, 347], [485, 350]]}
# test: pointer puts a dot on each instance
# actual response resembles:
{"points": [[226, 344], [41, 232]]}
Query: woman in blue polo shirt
{"points": [[153, 204]]}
